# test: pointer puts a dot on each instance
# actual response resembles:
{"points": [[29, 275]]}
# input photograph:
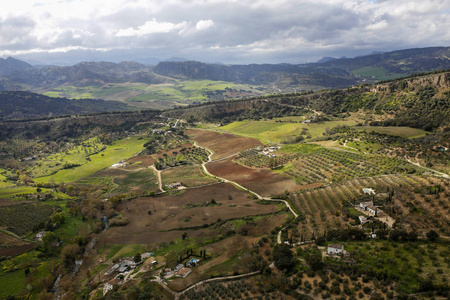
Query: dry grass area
{"points": [[261, 181], [150, 219], [222, 144]]}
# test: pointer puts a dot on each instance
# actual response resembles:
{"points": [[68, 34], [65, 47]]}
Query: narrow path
{"points": [[428, 169], [215, 279], [158, 173]]}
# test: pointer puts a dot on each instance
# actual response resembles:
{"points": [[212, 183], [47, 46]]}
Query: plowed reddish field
{"points": [[261, 181], [222, 144], [168, 212]]}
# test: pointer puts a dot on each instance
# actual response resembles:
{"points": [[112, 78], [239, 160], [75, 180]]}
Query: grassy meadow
{"points": [[158, 96], [274, 132], [117, 151], [406, 132], [190, 176]]}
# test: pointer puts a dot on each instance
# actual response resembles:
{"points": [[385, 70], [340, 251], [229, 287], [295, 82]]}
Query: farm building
{"points": [[40, 235], [183, 272], [336, 249], [363, 205], [110, 285], [363, 220], [174, 185], [374, 210]]}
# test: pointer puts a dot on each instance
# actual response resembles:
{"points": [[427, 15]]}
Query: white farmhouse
{"points": [[336, 249]]}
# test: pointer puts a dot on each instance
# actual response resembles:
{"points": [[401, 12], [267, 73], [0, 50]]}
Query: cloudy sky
{"points": [[227, 31]]}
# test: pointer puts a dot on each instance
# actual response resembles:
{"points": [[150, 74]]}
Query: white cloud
{"points": [[151, 27], [204, 25], [290, 30]]}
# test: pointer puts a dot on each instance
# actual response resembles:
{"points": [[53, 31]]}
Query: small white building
{"points": [[336, 249], [363, 205], [40, 235], [110, 285], [174, 185], [363, 220]]}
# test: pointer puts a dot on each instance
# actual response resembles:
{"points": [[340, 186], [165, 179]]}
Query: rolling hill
{"points": [[26, 105]]}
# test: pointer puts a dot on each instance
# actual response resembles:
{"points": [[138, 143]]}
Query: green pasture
{"points": [[119, 150], [317, 129], [181, 92], [271, 131], [265, 131], [76, 155], [190, 175], [3, 182], [377, 73], [13, 191], [406, 132], [300, 148], [12, 283], [143, 180], [363, 146]]}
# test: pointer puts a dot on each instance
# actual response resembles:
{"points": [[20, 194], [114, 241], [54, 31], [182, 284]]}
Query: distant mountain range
{"points": [[11, 65], [327, 73]]}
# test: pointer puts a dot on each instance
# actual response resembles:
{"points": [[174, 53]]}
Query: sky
{"points": [[225, 31]]}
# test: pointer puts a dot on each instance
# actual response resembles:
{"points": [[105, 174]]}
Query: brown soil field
{"points": [[222, 144], [261, 181], [170, 214], [10, 246], [141, 161], [16, 250], [6, 202]]}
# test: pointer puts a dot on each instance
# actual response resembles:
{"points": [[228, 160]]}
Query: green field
{"points": [[76, 155], [188, 175], [156, 96], [377, 73], [140, 181], [12, 283], [406, 132], [363, 146], [119, 150], [274, 132], [3, 182], [265, 131], [12, 191]]}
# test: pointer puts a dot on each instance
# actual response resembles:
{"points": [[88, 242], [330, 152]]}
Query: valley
{"points": [[146, 204]]}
